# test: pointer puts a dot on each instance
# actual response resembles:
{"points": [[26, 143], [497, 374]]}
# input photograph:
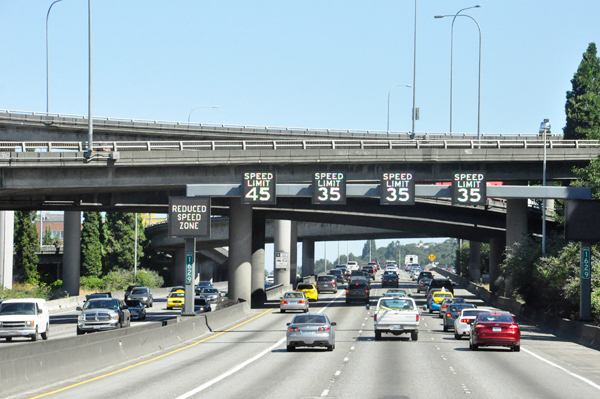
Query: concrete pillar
{"points": [[258, 260], [516, 221], [240, 250], [7, 239], [178, 272], [474, 261], [293, 252], [281, 239], [72, 252], [308, 258], [497, 246]]}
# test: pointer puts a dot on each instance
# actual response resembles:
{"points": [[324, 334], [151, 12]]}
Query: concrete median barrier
{"points": [[35, 365]]}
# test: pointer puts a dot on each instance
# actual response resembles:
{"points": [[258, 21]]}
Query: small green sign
{"points": [[586, 263], [189, 267]]}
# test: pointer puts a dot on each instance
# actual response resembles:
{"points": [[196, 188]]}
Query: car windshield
{"points": [[17, 308], [199, 301], [397, 304], [98, 296], [293, 295], [132, 304], [495, 318], [305, 287], [210, 291], [177, 295], [310, 319], [101, 304], [139, 291]]}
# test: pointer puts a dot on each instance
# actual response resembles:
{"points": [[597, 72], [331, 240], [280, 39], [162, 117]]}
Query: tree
{"points": [[26, 244], [47, 237], [91, 244], [583, 102], [119, 240]]}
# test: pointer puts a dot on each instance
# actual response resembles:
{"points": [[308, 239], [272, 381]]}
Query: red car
{"points": [[495, 329]]}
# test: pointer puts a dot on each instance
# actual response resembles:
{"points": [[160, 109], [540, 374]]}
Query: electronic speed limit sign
{"points": [[397, 188], [258, 187], [329, 187], [468, 188]]}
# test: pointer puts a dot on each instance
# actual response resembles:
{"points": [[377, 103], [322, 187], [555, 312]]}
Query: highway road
{"points": [[249, 360]]}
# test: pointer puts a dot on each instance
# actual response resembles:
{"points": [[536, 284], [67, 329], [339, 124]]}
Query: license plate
{"points": [[496, 329], [396, 327], [96, 327]]}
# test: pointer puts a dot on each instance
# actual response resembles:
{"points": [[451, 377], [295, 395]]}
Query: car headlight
{"points": [[30, 323], [115, 316], [80, 317], [144, 298]]}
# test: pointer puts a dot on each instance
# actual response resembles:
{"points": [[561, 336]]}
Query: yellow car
{"points": [[176, 299], [310, 291], [435, 303]]}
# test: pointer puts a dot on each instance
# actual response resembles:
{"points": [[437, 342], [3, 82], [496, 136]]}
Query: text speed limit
{"points": [[469, 188], [329, 188], [397, 188], [259, 187]]}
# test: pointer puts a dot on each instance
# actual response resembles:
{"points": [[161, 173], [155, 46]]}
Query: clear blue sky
{"points": [[321, 64]]}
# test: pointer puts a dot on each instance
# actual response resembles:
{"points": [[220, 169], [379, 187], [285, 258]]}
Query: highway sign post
{"points": [[585, 283], [397, 188], [329, 187], [469, 188], [189, 217], [259, 187]]}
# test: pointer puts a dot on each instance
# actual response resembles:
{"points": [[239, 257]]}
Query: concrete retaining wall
{"points": [[583, 333], [39, 364]]}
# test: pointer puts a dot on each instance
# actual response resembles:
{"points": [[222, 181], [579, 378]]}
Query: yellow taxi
{"points": [[435, 303], [310, 291], [176, 299]]}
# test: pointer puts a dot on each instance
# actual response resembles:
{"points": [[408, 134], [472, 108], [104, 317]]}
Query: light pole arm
{"points": [[200, 106], [47, 62]]}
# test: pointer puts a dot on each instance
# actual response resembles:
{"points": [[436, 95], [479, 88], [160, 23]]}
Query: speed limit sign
{"points": [[468, 188], [329, 187]]}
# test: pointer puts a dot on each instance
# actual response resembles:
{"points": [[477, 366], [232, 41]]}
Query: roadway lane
{"points": [[250, 361]]}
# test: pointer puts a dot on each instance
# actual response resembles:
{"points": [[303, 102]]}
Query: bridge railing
{"points": [[231, 145]]}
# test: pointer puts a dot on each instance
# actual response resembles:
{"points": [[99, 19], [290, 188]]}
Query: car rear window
{"points": [[293, 295], [325, 278], [305, 287], [443, 295], [474, 312], [306, 319], [493, 317], [357, 286], [397, 304]]}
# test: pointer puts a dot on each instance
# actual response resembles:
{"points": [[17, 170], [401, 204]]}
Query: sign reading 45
{"points": [[258, 187], [469, 188]]}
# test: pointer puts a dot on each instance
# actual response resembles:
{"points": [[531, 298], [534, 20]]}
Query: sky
{"points": [[316, 64]]}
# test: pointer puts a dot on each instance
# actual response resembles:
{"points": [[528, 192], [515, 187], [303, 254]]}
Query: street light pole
{"points": [[90, 122], [479, 84], [389, 94], [452, 57], [201, 106], [47, 62], [414, 85], [544, 128]]}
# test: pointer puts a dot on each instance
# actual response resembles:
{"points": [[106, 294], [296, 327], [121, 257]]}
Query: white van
{"points": [[25, 317]]}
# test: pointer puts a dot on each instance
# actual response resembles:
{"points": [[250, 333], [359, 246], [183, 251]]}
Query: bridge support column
{"points": [[240, 250], [7, 239], [497, 246], [72, 252], [516, 221], [293, 252], [258, 261], [474, 261], [282, 239], [308, 258]]}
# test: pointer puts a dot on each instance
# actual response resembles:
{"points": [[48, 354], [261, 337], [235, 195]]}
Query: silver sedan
{"points": [[293, 301], [312, 329]]}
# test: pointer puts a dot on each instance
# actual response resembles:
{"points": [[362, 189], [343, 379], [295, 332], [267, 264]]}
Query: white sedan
{"points": [[462, 324]]}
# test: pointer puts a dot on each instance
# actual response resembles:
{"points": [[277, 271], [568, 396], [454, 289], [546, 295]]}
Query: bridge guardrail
{"points": [[232, 145]]}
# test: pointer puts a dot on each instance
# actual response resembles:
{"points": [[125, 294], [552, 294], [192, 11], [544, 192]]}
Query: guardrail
{"points": [[81, 120], [232, 145]]}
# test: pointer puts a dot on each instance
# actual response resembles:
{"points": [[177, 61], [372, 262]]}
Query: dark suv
{"points": [[438, 283], [358, 290], [326, 283], [369, 269], [424, 274]]}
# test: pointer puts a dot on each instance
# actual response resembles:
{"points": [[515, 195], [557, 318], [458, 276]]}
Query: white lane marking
{"points": [[346, 359], [230, 372], [352, 348], [325, 392], [330, 302], [337, 373], [562, 368]]}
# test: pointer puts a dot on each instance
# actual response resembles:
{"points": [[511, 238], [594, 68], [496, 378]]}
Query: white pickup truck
{"points": [[396, 316]]}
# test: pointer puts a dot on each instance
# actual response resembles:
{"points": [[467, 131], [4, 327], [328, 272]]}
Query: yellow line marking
{"points": [[150, 360]]}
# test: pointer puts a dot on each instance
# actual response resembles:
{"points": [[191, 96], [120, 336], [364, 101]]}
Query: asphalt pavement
{"points": [[249, 360]]}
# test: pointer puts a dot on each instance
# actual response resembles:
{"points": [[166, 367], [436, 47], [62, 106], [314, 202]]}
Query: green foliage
{"points": [[119, 279], [91, 244], [26, 244], [91, 283], [26, 291], [119, 240], [589, 176], [583, 101], [47, 237]]}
